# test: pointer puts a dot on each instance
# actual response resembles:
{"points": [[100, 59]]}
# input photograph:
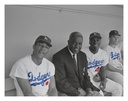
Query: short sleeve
{"points": [[106, 59], [19, 70], [52, 70]]}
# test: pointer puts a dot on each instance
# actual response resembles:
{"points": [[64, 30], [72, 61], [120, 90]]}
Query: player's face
{"points": [[40, 49], [114, 39], [75, 44], [95, 42]]}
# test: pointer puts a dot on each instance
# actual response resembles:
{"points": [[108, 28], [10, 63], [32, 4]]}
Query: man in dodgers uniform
{"points": [[97, 62], [115, 67], [34, 75], [120, 46]]}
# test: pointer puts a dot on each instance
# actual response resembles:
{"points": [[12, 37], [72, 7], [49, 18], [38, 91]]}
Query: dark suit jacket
{"points": [[68, 80]]}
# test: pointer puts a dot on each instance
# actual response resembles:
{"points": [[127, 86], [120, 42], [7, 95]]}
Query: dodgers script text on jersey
{"points": [[39, 80], [115, 55]]}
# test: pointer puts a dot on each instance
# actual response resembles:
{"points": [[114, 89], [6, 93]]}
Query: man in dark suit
{"points": [[70, 69]]}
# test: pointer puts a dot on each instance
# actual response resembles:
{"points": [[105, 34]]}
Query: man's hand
{"points": [[121, 71], [119, 67], [90, 93], [82, 92], [103, 84], [96, 78], [93, 93]]}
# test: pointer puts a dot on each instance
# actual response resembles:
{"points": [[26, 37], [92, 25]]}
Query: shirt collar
{"points": [[71, 52]]}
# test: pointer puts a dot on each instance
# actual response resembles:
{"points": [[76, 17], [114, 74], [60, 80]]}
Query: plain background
{"points": [[24, 23], [2, 51]]}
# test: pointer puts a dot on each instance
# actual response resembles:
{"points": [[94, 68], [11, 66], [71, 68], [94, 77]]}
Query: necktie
{"points": [[74, 60]]}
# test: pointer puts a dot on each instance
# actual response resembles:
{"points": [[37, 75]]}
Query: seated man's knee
{"points": [[119, 90]]}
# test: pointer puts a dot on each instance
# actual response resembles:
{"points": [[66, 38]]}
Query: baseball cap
{"points": [[44, 39], [114, 32], [95, 34]]}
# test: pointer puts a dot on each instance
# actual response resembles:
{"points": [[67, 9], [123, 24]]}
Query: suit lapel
{"points": [[71, 61], [79, 62]]}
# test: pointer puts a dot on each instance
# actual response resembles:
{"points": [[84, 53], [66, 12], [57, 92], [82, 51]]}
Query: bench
{"points": [[10, 89]]}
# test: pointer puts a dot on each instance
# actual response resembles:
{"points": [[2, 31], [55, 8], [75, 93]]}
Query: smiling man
{"points": [[97, 64], [71, 74], [115, 66], [34, 75]]}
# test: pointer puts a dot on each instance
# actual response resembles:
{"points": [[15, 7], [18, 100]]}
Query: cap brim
{"points": [[95, 37], [40, 41], [114, 34]]}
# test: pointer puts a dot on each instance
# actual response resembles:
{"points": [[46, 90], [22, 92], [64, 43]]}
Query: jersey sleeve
{"points": [[106, 59], [52, 70], [19, 70]]}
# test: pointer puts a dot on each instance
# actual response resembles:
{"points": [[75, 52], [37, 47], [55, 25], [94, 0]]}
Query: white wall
{"points": [[23, 24]]}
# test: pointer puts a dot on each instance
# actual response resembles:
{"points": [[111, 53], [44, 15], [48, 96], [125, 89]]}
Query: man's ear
{"points": [[89, 41], [68, 41], [33, 46]]}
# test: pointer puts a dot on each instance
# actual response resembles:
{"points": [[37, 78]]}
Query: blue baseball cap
{"points": [[44, 39], [95, 34], [114, 32]]}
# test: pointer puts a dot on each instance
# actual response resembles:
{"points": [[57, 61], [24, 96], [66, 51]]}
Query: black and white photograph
{"points": [[64, 50]]}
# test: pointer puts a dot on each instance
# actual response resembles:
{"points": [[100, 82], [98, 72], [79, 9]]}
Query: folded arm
{"points": [[113, 69]]}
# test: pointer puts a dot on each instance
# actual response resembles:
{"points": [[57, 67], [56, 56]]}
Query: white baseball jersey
{"points": [[120, 45], [38, 75], [114, 55], [95, 61]]}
